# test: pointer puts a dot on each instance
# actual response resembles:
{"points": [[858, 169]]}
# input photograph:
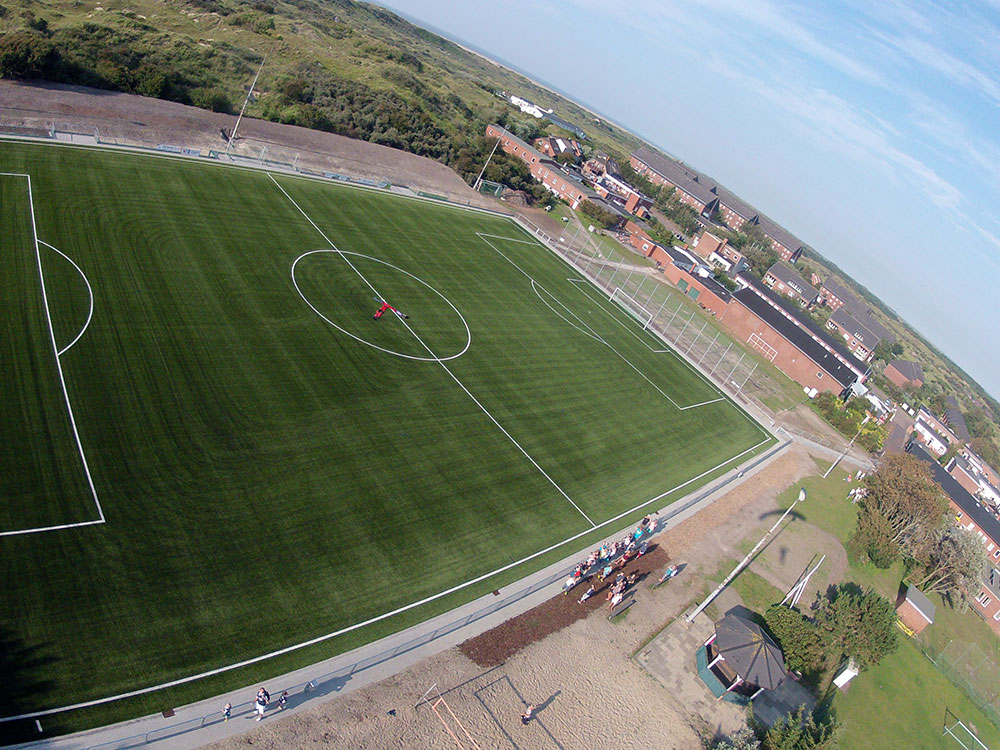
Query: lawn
{"points": [[893, 701], [275, 466]]}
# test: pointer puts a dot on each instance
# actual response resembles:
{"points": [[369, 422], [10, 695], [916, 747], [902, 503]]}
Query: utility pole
{"points": [[243, 109]]}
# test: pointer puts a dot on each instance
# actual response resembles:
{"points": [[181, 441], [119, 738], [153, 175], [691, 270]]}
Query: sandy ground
{"points": [[130, 120], [589, 692]]}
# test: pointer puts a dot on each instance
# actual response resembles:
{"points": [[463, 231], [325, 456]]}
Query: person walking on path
{"points": [[529, 712], [283, 700], [260, 703], [227, 711]]}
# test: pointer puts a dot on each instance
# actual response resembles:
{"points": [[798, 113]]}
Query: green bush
{"points": [[799, 640]]}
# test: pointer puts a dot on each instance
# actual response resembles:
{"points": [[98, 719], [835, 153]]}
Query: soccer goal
{"points": [[632, 307], [960, 732]]}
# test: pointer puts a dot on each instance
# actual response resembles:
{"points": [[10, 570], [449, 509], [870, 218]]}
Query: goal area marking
{"points": [[57, 353]]}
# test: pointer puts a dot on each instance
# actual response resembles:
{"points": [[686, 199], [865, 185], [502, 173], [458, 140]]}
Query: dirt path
{"points": [[136, 120], [589, 691]]}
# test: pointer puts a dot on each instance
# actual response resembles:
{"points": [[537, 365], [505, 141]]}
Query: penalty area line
{"points": [[62, 379], [377, 618]]}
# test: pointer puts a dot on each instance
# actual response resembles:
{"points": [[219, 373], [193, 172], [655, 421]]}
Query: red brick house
{"points": [[734, 211], [788, 247], [982, 520], [903, 373], [552, 147], [783, 279], [915, 610], [793, 343], [860, 337], [690, 187]]}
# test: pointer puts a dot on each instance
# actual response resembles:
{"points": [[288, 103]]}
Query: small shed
{"points": [[741, 658], [915, 610]]}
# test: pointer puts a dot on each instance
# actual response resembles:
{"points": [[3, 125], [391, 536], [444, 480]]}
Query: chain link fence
{"points": [[969, 667]]}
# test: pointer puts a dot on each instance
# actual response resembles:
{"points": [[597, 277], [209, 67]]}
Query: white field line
{"points": [[508, 239], [439, 360], [558, 314], [580, 285], [62, 382], [377, 618], [90, 291], [625, 359]]}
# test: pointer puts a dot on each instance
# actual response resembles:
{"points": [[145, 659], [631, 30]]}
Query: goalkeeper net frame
{"points": [[632, 307]]}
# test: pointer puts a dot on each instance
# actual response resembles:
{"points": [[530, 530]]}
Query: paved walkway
{"points": [[670, 658], [201, 723]]}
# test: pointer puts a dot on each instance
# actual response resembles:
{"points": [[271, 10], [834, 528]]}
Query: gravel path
{"points": [[139, 120]]}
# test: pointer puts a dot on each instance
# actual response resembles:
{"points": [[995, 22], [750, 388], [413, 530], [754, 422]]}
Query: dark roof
{"points": [[777, 232], [970, 506], [678, 174], [956, 420], [916, 597], [735, 203], [909, 370], [784, 272], [796, 312], [679, 258], [523, 144], [797, 336], [716, 288], [750, 651], [857, 328], [845, 295]]}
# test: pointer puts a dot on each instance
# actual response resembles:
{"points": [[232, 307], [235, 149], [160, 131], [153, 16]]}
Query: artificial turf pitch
{"points": [[272, 464]]}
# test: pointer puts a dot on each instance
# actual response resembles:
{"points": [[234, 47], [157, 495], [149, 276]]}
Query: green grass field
{"points": [[273, 465]]}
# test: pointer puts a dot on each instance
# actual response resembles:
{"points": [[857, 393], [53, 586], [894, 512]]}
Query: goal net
{"points": [[632, 307]]}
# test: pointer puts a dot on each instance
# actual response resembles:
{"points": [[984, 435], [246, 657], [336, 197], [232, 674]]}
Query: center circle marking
{"points": [[468, 333]]}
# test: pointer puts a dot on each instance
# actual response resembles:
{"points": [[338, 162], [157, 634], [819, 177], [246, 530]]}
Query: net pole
{"points": [[709, 348], [747, 378], [735, 366], [651, 293], [686, 326], [670, 322], [636, 295], [697, 337], [665, 300], [720, 359]]}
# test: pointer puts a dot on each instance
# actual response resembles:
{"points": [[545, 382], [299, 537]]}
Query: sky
{"points": [[871, 130]]}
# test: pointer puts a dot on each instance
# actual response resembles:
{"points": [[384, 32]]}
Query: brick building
{"points": [[553, 147], [783, 279], [734, 211], [915, 610], [719, 253], [903, 373], [788, 247], [795, 345], [690, 186], [561, 181], [860, 338], [981, 519]]}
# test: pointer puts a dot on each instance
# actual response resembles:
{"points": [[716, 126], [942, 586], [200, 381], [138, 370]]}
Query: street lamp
{"points": [[745, 560]]}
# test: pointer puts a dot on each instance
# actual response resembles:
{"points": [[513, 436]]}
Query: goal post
{"points": [[959, 731], [632, 307]]}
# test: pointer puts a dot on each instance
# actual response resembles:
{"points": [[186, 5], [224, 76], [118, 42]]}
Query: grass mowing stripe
{"points": [[437, 359], [268, 480]]}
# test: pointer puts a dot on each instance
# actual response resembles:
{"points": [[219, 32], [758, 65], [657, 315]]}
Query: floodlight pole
{"points": [[847, 449], [482, 171], [243, 109], [745, 561]]}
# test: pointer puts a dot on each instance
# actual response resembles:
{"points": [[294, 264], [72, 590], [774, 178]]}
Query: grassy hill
{"points": [[348, 68]]}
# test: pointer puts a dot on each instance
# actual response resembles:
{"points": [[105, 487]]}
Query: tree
{"points": [[902, 509], [743, 739], [886, 351], [601, 215], [801, 731], [955, 563], [798, 637], [860, 624]]}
